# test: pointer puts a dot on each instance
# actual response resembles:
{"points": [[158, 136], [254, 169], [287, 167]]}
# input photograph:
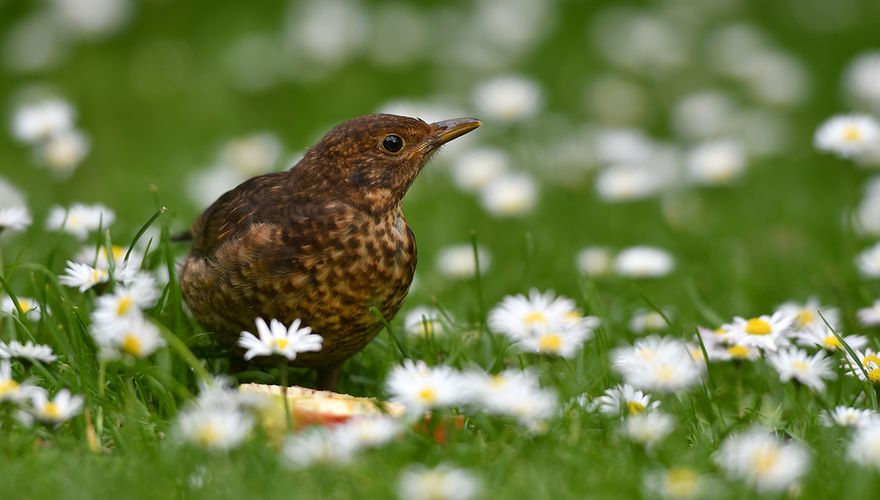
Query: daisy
{"points": [[83, 276], [767, 333], [869, 360], [367, 431], [139, 338], [98, 257], [63, 152], [316, 445], [594, 261], [275, 338], [60, 409], [518, 316], [643, 262], [825, 339], [443, 482], [423, 322], [419, 387], [794, 363], [870, 316], [860, 80], [508, 99], [253, 154], [868, 262], [113, 310], [863, 447], [41, 120], [645, 321], [28, 350], [649, 428], [510, 195], [28, 305], [10, 389], [806, 315], [763, 460], [514, 393], [677, 482], [624, 400], [847, 135], [475, 169], [215, 429], [79, 220], [716, 162], [14, 218], [457, 262], [657, 363], [845, 416], [626, 182]]}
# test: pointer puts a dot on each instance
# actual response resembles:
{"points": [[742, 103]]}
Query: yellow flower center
{"points": [[550, 343], [805, 317], [132, 345], [800, 365], [118, 252], [738, 351], [874, 375], [51, 411], [573, 316], [281, 343], [25, 304], [635, 408], [124, 305], [680, 482], [871, 358], [208, 435], [428, 395], [720, 331], [830, 342], [765, 460], [535, 318], [98, 275], [758, 326], [664, 373], [7, 387], [852, 134]]}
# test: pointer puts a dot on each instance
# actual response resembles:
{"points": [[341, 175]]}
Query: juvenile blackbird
{"points": [[324, 241]]}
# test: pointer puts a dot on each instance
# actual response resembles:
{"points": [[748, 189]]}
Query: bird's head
{"points": [[372, 160]]}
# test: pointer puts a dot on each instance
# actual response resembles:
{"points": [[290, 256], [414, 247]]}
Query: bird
{"points": [[323, 242]]}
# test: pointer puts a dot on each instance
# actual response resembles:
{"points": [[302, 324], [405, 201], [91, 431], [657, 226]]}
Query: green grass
{"points": [[774, 236]]}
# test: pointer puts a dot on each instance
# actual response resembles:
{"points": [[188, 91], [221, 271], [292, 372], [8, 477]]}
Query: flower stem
{"points": [[287, 417]]}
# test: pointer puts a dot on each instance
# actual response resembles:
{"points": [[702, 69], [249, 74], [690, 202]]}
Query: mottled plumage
{"points": [[323, 241]]}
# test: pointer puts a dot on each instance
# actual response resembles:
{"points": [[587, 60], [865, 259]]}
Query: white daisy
{"points": [[848, 135], [510, 195], [627, 182], [423, 321], [647, 321], [845, 416], [14, 218], [826, 339], [443, 482], [139, 338], [763, 460], [79, 220], [98, 257], [863, 447], [508, 99], [657, 363], [63, 152], [112, 312], [28, 305], [61, 408], [475, 169], [83, 276], [316, 445], [419, 387], [40, 120], [28, 350], [649, 428], [677, 482], [215, 429], [860, 80], [253, 154], [767, 333], [869, 360], [367, 431], [716, 162], [794, 363], [275, 338], [623, 400], [868, 262], [870, 316], [457, 262], [643, 262], [514, 393], [594, 261], [11, 389], [807, 315]]}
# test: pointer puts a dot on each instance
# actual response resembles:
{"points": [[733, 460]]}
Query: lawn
{"points": [[686, 127]]}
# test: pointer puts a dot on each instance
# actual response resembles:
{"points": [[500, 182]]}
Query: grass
{"points": [[774, 236]]}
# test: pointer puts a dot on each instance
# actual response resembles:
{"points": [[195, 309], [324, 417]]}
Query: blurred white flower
{"points": [[252, 154], [870, 316], [621, 146], [860, 80], [793, 363], [508, 99], [83, 276], [28, 305], [91, 19], [275, 338], [863, 447], [677, 482], [775, 78], [763, 460], [326, 33], [643, 262], [869, 360], [657, 363], [509, 195], [640, 41], [703, 115], [716, 162], [63, 152], [10, 196], [14, 218], [767, 333], [457, 261], [61, 408], [475, 169], [617, 100], [213, 428], [845, 416], [41, 120], [595, 261], [138, 338], [624, 182], [407, 37], [868, 262], [442, 482], [420, 388], [824, 338], [316, 445], [33, 44], [28, 350], [11, 389], [623, 400], [367, 431], [848, 136], [647, 321], [514, 393], [205, 186], [649, 428], [867, 215], [423, 321], [80, 220]]}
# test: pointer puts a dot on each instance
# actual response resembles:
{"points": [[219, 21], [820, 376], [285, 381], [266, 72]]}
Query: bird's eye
{"points": [[392, 143]]}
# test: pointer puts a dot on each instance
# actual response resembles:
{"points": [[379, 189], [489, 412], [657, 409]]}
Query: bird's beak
{"points": [[447, 130]]}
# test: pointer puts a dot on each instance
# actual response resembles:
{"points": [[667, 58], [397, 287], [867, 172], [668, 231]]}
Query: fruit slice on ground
{"points": [[311, 407]]}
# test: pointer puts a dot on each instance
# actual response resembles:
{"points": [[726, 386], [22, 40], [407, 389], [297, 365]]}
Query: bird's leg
{"points": [[328, 377]]}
